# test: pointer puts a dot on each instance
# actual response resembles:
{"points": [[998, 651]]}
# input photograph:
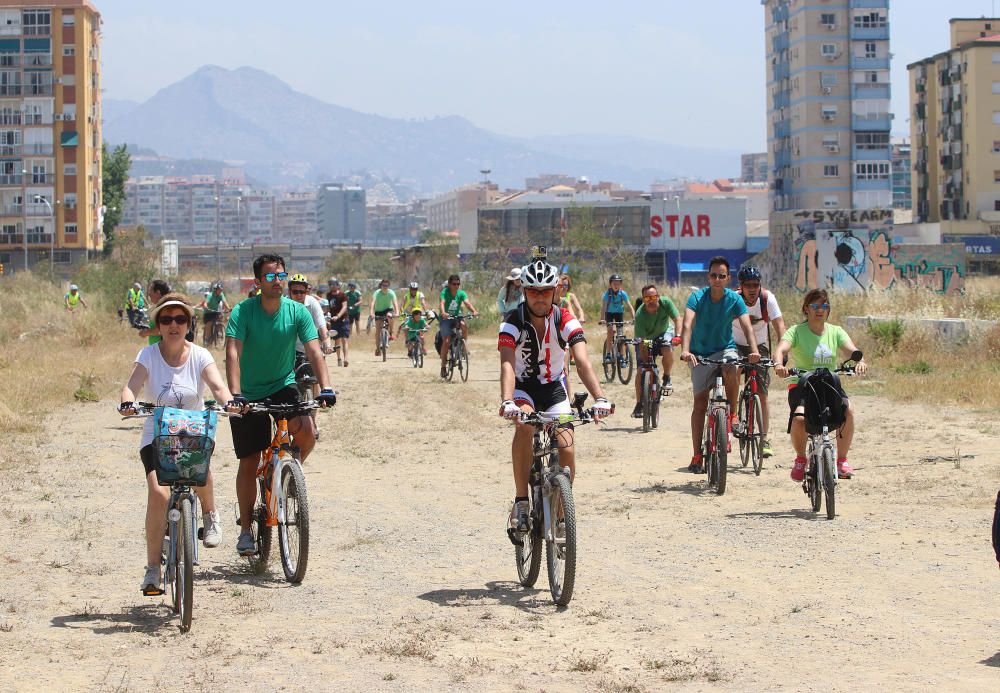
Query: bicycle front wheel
{"points": [[450, 367], [463, 362], [383, 343], [293, 532], [743, 411], [528, 556], [625, 363], [720, 455], [561, 551], [813, 485], [829, 483], [262, 533], [757, 435], [609, 364], [647, 401], [184, 575]]}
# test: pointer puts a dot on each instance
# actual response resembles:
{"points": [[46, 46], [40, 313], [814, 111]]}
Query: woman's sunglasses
{"points": [[167, 319]]}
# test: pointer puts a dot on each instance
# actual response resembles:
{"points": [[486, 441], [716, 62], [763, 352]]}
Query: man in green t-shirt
{"points": [[452, 301], [658, 319], [260, 364], [157, 290], [383, 305]]}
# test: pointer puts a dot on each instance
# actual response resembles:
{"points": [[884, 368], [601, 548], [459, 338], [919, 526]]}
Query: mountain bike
{"points": [[458, 352], [750, 430], [821, 471], [416, 349], [552, 513], [281, 497], [650, 392], [618, 356], [383, 334], [715, 445], [305, 381], [215, 331], [180, 544]]}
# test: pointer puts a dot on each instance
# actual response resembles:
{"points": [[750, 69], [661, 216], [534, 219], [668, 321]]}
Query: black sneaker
{"points": [[696, 467], [637, 412]]}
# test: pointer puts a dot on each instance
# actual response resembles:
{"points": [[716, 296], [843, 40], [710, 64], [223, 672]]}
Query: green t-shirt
{"points": [[810, 350], [353, 303], [267, 363], [653, 325], [412, 328], [453, 302], [384, 299], [154, 338], [213, 302]]}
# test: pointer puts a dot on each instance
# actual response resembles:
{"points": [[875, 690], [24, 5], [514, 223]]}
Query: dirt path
{"points": [[412, 586]]}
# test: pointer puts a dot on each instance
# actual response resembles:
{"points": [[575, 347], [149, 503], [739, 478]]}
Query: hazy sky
{"points": [[681, 71]]}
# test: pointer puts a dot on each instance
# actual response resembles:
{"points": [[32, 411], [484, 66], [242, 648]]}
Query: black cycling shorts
{"points": [[252, 432]]}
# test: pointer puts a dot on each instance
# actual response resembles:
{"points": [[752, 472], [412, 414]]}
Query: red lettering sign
{"points": [[702, 222], [704, 225], [657, 226], [687, 229], [672, 219]]}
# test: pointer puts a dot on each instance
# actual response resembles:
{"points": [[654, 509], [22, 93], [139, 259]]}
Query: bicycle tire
{"points": [[647, 404], [742, 412], [625, 376], [383, 342], [450, 365], [185, 563], [655, 406], [528, 556], [609, 364], [813, 487], [262, 533], [420, 355], [294, 553], [720, 455], [463, 362], [707, 450], [562, 565], [757, 439], [829, 483]]}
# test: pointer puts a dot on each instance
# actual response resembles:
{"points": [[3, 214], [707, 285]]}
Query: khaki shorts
{"points": [[703, 375], [765, 353]]}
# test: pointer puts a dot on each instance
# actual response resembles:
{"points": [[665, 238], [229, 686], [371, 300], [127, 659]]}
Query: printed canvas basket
{"points": [[183, 440]]}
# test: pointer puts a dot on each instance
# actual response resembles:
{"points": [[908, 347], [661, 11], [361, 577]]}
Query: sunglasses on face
{"points": [[167, 319], [454, 283], [280, 276], [751, 286], [716, 275], [651, 299], [298, 292], [820, 306], [537, 292]]}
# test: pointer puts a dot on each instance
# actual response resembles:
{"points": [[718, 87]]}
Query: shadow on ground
{"points": [[502, 593], [140, 617], [780, 515]]}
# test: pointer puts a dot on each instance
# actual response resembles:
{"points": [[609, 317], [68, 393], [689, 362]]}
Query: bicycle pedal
{"points": [[201, 534], [152, 591], [512, 535]]}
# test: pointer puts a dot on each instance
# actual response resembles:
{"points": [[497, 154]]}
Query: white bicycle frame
{"points": [[817, 443], [543, 441]]}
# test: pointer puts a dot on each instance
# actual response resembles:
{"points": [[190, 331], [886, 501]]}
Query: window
{"points": [[872, 170], [831, 201], [828, 112], [68, 19], [69, 169], [37, 22], [869, 20], [996, 146], [996, 57], [871, 77], [828, 19], [870, 50], [69, 200], [831, 170], [829, 50], [69, 231], [996, 117], [996, 206], [69, 50], [871, 140], [828, 79], [63, 257]]}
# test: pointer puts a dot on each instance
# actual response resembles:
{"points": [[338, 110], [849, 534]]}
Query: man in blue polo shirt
{"points": [[708, 333]]}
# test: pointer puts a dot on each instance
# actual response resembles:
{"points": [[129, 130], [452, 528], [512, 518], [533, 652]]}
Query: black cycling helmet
{"points": [[748, 273], [615, 278]]}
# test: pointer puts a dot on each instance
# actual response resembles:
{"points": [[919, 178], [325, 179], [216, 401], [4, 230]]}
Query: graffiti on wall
{"points": [[852, 251]]}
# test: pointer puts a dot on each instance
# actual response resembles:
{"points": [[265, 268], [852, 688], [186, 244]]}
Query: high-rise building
{"points": [[902, 175], [828, 104], [295, 218], [50, 132], [753, 167], [955, 128], [341, 213]]}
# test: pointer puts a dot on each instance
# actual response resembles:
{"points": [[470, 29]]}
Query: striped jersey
{"points": [[539, 357]]}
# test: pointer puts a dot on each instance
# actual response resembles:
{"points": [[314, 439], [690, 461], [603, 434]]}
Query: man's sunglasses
{"points": [[454, 283], [651, 299], [280, 276], [820, 306], [167, 319], [531, 291], [716, 275]]}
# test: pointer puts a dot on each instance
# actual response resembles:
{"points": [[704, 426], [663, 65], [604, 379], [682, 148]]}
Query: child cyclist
{"points": [[613, 303], [413, 325]]}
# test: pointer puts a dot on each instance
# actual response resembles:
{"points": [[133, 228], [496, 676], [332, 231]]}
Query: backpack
{"points": [[183, 441], [821, 391]]}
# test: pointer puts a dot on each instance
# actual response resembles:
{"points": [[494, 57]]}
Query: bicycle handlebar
{"points": [[584, 417], [269, 408], [146, 409]]}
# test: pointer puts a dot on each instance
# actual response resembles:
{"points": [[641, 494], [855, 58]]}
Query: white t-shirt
{"points": [[166, 386], [757, 320], [316, 311]]}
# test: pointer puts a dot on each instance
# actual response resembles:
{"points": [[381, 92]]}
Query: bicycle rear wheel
{"points": [[625, 363], [262, 534], [528, 556], [654, 406], [757, 435], [463, 361], [561, 552], [720, 454], [184, 575], [293, 532], [829, 483], [647, 401], [609, 364]]}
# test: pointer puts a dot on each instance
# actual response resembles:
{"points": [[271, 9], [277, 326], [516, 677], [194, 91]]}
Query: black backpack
{"points": [[821, 392]]}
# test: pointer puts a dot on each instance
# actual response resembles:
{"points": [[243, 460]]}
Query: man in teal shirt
{"points": [[657, 319], [708, 333], [260, 364], [452, 300]]}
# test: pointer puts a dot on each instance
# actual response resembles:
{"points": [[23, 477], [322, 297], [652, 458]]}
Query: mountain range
{"points": [[282, 136]]}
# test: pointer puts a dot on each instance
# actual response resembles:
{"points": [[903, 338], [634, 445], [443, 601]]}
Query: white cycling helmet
{"points": [[539, 275]]}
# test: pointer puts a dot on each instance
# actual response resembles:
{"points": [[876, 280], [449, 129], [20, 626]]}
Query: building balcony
{"points": [[10, 89], [858, 154], [780, 42], [37, 89], [37, 60], [11, 179], [881, 122], [870, 33], [865, 184], [783, 128], [868, 90], [37, 210], [783, 158], [12, 210], [782, 99], [782, 71], [869, 4], [869, 63]]}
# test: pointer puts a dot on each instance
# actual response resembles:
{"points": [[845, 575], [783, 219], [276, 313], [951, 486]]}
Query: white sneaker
{"points": [[151, 581], [246, 546], [212, 535]]}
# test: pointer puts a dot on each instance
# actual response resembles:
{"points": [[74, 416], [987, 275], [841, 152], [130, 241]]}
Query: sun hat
{"points": [[171, 300], [514, 275]]}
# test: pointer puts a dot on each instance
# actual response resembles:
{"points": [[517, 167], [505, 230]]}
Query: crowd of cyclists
{"points": [[287, 321]]}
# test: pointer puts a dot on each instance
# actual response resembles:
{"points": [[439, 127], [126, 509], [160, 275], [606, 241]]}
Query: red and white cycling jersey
{"points": [[541, 358]]}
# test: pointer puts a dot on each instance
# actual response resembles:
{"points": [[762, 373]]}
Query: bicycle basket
{"points": [[821, 392], [184, 441]]}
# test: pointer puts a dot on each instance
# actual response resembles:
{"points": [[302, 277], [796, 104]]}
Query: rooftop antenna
{"points": [[486, 175]]}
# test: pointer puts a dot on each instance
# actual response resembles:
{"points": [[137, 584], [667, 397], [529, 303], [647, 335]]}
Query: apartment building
{"points": [[446, 212], [295, 220], [955, 130], [753, 167], [341, 213], [50, 132], [902, 175], [828, 104]]}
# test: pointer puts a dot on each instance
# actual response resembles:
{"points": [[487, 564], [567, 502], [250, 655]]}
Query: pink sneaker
{"points": [[844, 469], [799, 469]]}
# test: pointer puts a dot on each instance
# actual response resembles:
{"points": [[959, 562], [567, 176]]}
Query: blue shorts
{"points": [[448, 325], [342, 327]]}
